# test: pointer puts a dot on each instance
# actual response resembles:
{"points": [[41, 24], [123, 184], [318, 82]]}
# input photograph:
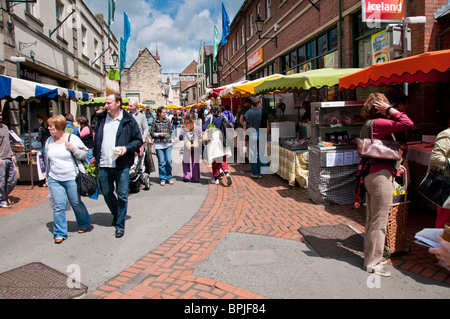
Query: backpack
{"points": [[223, 128]]}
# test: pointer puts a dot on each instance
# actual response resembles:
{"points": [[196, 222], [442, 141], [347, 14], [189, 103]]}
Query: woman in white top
{"points": [[61, 150]]}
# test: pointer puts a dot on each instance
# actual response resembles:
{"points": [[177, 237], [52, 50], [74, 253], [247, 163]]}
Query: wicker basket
{"points": [[396, 225]]}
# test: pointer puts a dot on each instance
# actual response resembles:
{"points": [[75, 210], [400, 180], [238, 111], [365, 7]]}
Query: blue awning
{"points": [[14, 88]]}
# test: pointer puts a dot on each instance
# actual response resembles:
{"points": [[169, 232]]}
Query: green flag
{"points": [[111, 9], [216, 43]]}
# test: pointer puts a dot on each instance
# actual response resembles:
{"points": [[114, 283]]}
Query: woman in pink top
{"points": [[378, 180]]}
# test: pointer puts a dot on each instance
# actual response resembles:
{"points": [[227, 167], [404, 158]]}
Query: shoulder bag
{"points": [[436, 186], [86, 183], [377, 148]]}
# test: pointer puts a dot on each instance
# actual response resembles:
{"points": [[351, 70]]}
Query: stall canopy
{"points": [[427, 67], [16, 89], [245, 89], [313, 79], [100, 101], [214, 93]]}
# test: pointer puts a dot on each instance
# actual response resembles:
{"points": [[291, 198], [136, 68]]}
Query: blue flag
{"points": [[126, 28], [225, 25], [123, 54]]}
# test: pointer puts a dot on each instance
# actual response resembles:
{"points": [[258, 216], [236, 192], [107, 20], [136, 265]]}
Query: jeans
{"points": [[107, 177], [165, 164], [60, 191], [8, 179], [254, 156]]}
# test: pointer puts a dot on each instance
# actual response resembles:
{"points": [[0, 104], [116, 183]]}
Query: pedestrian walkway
{"points": [[267, 207]]}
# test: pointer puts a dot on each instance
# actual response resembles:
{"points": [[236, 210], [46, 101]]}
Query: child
{"points": [[191, 134]]}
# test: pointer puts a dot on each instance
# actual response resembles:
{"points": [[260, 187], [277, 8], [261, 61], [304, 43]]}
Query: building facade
{"points": [[300, 35], [188, 85], [142, 80], [63, 44]]}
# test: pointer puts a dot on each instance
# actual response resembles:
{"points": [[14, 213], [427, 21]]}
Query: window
{"points": [[31, 8], [251, 25], [237, 42], [268, 13], [243, 35], [258, 9], [96, 51], [59, 18], [83, 41]]}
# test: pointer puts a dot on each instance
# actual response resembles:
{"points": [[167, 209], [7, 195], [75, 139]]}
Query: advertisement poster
{"points": [[380, 47], [382, 10]]}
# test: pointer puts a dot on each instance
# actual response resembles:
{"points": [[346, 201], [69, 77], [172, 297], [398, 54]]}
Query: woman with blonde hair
{"points": [[64, 154], [191, 134], [377, 175]]}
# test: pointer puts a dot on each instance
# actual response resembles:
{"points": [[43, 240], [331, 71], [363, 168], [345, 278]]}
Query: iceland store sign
{"points": [[383, 10]]}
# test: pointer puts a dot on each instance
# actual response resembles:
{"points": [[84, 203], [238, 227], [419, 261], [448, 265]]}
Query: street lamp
{"points": [[259, 26], [114, 57]]}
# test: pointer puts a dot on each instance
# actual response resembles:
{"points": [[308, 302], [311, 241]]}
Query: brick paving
{"points": [[265, 206]]}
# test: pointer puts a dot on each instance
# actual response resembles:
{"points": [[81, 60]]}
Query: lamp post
{"points": [[259, 26]]}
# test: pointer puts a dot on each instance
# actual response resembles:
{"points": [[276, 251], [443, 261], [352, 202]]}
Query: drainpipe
{"points": [[340, 34]]}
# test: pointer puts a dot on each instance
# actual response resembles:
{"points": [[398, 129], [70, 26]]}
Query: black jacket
{"points": [[128, 135]]}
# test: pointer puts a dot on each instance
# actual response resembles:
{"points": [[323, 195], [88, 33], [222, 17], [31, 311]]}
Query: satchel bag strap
{"points": [[77, 170]]}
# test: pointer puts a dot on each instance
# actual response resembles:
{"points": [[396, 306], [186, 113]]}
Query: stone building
{"points": [[189, 89], [142, 80]]}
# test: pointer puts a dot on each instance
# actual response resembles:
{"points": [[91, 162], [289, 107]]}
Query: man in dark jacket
{"points": [[117, 139]]}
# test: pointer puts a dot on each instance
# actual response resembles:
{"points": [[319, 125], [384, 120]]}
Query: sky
{"points": [[176, 27]]}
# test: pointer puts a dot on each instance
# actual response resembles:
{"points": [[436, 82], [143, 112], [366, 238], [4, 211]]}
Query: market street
{"points": [[205, 241]]}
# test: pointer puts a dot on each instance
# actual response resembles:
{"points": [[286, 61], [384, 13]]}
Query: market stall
{"points": [[30, 159], [301, 157], [429, 67]]}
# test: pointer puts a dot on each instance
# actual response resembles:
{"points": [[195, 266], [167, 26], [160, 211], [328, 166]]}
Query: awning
{"points": [[100, 101], [14, 88], [313, 79], [245, 89], [427, 67], [214, 93], [173, 107]]}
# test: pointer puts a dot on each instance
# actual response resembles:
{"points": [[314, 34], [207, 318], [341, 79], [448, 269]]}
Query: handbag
{"points": [[86, 183], [436, 186], [379, 149]]}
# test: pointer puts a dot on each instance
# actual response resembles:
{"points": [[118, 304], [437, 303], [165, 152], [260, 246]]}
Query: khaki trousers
{"points": [[378, 200]]}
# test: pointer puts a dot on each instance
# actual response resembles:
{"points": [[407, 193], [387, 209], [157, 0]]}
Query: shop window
{"points": [[322, 45], [293, 58], [301, 56], [311, 50], [333, 39]]}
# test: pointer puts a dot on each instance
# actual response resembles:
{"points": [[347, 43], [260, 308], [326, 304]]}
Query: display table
{"points": [[292, 165], [30, 167], [418, 157]]}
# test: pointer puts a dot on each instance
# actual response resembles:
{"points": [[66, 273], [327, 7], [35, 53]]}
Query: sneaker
{"points": [[215, 180], [379, 270], [254, 176]]}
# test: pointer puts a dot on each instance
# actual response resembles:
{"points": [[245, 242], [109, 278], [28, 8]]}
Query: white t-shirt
{"points": [[62, 164], [109, 141]]}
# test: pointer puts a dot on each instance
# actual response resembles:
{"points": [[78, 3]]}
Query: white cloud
{"points": [[177, 28]]}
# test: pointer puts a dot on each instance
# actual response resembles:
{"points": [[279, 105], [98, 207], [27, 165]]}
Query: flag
{"points": [[126, 27], [225, 25], [123, 54], [111, 9], [216, 43]]}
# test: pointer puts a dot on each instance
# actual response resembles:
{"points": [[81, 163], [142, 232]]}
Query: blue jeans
{"points": [[107, 177], [60, 191], [165, 164], [254, 157]]}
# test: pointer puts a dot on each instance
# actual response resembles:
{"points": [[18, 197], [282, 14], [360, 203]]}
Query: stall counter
{"points": [[292, 165]]}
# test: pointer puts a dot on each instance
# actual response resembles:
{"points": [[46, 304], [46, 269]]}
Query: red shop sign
{"points": [[383, 10]]}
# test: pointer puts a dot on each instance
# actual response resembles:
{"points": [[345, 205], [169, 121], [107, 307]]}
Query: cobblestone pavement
{"points": [[264, 207]]}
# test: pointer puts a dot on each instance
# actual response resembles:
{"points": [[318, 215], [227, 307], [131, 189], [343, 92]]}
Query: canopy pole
{"points": [[30, 156]]}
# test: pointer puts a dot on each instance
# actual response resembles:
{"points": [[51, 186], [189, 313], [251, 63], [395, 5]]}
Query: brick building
{"points": [[302, 35], [189, 89]]}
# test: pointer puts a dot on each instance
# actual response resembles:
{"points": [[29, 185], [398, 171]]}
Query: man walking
{"points": [[117, 139], [254, 120], [8, 173], [140, 119]]}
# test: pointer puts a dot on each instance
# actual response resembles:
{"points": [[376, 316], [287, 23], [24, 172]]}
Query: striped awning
{"points": [[14, 88]]}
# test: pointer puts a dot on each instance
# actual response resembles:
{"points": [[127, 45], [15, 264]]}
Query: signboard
{"points": [[255, 59], [383, 10], [381, 49]]}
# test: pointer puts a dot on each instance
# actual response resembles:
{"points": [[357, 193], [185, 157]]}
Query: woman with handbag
{"points": [[382, 121], [440, 153], [162, 131], [61, 174]]}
